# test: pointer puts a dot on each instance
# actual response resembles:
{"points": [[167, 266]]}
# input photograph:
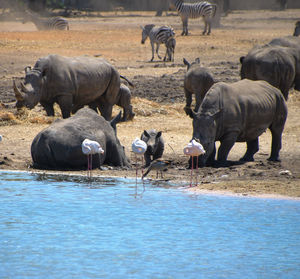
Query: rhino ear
{"points": [[146, 134], [242, 59], [197, 60], [116, 120]]}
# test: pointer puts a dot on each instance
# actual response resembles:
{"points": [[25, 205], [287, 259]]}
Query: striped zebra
{"points": [[53, 23], [170, 49], [195, 10], [157, 35]]}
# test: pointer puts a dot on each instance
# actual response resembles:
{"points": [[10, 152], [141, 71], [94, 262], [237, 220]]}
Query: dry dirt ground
{"points": [[158, 97]]}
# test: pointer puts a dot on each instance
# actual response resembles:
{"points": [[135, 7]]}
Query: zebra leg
{"points": [[157, 48], [184, 26], [205, 27], [152, 46]]}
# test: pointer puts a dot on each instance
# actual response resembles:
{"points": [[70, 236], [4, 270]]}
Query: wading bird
{"points": [[193, 149], [138, 147], [89, 148]]}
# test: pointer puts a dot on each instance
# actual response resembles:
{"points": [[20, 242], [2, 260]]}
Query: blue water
{"points": [[67, 227]]}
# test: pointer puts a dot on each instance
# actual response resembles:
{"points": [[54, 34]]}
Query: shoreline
{"points": [[197, 190]]}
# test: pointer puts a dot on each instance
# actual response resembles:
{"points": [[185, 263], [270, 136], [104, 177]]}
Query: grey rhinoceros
{"points": [[155, 145], [238, 112], [59, 145], [72, 82], [297, 29], [287, 41], [280, 66], [123, 100], [197, 81]]}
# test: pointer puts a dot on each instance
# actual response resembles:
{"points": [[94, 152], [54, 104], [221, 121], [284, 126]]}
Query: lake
{"points": [[58, 226]]}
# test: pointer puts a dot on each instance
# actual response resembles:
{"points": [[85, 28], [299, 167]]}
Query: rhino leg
{"points": [[276, 146], [252, 148], [48, 108], [224, 149], [147, 158], [188, 100], [65, 104], [199, 100]]}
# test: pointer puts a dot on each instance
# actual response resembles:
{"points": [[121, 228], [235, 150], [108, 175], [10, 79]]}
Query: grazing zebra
{"points": [[53, 23], [170, 49], [157, 35], [195, 10]]}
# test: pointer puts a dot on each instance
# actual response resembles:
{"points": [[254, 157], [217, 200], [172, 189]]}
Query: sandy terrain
{"points": [[158, 97]]}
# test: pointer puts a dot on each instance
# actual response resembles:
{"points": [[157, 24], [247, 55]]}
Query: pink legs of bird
{"points": [[194, 149]]}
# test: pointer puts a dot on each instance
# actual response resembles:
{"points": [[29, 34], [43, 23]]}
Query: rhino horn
{"points": [[19, 95], [23, 87]]}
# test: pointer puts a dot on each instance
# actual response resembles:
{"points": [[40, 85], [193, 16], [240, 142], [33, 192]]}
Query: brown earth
{"points": [[158, 97]]}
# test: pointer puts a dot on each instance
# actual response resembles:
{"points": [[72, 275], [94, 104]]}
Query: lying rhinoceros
{"points": [[59, 145], [280, 66], [72, 82], [239, 112], [197, 81], [287, 41]]}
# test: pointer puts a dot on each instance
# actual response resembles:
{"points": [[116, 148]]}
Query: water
{"points": [[68, 228]]}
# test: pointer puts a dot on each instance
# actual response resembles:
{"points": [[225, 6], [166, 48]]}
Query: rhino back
{"points": [[275, 65], [288, 41], [198, 77], [84, 78], [246, 107]]}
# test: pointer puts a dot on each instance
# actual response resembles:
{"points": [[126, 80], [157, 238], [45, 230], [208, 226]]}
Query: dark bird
{"points": [[159, 166]]}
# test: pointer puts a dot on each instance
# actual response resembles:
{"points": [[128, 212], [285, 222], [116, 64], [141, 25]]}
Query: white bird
{"points": [[138, 147], [89, 148], [193, 149]]}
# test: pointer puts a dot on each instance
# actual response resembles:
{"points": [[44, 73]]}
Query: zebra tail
{"points": [[129, 82]]}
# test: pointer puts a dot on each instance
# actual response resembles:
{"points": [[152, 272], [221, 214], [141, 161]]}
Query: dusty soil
{"points": [[158, 97]]}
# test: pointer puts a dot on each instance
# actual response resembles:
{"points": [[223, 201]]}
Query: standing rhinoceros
{"points": [[297, 29], [197, 80], [280, 66], [239, 112], [59, 145], [123, 100], [155, 145], [70, 82]]}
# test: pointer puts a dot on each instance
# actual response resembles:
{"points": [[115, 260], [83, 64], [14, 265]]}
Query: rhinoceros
{"points": [[123, 100], [287, 41], [239, 112], [155, 145], [197, 80], [297, 29], [59, 145], [280, 66], [72, 82]]}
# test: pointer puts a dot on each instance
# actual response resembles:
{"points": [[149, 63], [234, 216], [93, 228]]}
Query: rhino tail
{"points": [[129, 82]]}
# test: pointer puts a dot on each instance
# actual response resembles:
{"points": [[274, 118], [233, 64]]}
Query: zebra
{"points": [[195, 10], [157, 35], [53, 23], [170, 49]]}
